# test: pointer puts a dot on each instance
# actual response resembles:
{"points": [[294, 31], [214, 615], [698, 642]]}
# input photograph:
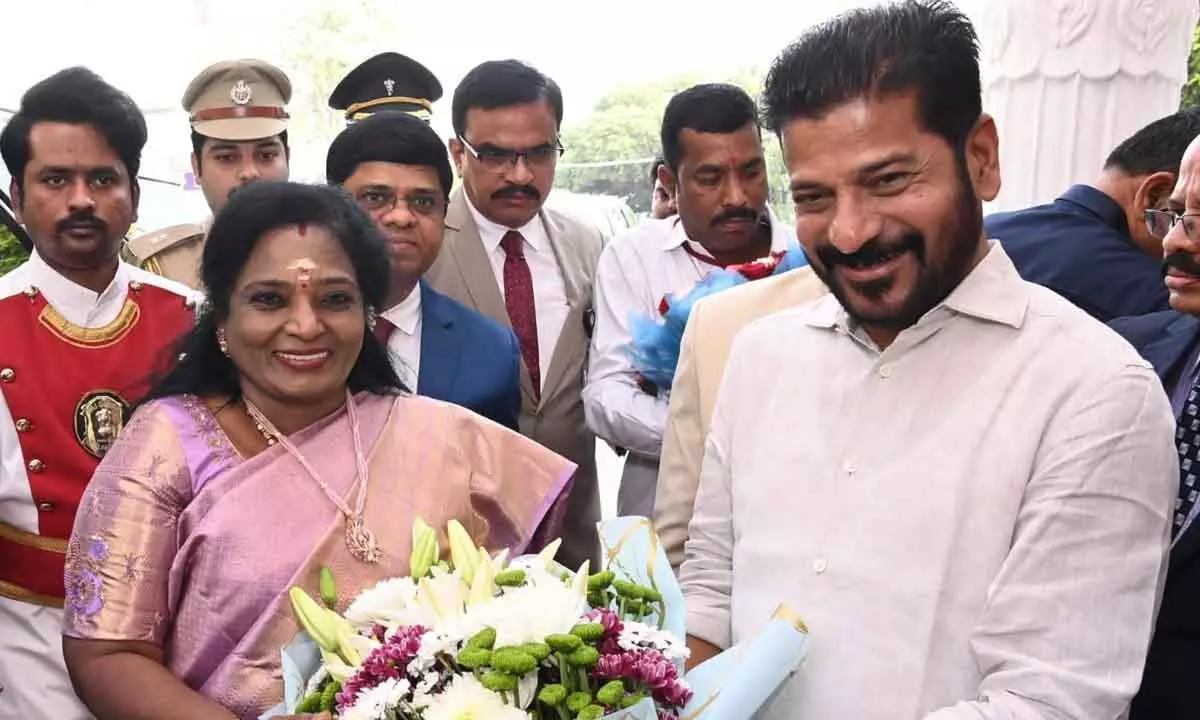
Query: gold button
{"points": [[135, 285], [36, 465], [23, 425], [45, 506], [7, 375]]}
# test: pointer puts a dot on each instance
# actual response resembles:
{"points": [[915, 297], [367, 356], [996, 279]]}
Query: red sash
{"points": [[69, 390]]}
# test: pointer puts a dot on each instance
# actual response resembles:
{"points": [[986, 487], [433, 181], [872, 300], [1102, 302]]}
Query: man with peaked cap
{"points": [[388, 82], [237, 110]]}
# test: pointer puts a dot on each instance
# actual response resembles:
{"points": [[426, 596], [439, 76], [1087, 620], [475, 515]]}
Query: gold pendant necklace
{"points": [[360, 541]]}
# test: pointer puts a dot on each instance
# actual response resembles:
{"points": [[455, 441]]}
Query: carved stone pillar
{"points": [[1068, 80]]}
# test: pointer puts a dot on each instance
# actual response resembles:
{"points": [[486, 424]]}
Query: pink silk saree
{"points": [[182, 543]]}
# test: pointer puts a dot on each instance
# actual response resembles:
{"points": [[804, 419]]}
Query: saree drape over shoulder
{"points": [[182, 543]]}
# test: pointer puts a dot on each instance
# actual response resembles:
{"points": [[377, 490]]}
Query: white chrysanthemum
{"points": [[466, 699], [545, 605], [375, 703], [636, 635], [386, 603]]}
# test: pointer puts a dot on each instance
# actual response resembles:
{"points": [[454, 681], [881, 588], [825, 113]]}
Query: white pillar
{"points": [[1068, 80]]}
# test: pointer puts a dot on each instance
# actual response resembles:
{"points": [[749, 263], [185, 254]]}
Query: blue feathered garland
{"points": [[656, 339]]}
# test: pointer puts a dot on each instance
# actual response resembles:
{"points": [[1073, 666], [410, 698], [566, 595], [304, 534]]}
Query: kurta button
{"points": [[36, 465], [8, 375], [885, 371], [45, 506], [23, 425], [820, 565]]}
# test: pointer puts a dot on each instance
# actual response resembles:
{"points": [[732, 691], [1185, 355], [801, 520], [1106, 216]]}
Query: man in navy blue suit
{"points": [[1092, 245], [1170, 340], [398, 171]]}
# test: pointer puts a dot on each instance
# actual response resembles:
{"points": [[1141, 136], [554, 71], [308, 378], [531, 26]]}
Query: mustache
{"points": [[515, 190], [738, 213], [873, 252], [1181, 261], [81, 220]]}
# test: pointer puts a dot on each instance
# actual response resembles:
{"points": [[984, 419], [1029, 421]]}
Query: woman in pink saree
{"points": [[282, 442]]}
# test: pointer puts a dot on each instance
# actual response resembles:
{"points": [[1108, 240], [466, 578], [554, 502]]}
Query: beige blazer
{"points": [[464, 272], [711, 327]]}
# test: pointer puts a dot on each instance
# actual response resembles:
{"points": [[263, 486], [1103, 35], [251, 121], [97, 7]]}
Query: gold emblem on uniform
{"points": [[240, 93], [99, 417]]}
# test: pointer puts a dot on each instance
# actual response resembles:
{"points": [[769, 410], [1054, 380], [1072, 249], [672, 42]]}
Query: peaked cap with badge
{"points": [[234, 100], [387, 82]]}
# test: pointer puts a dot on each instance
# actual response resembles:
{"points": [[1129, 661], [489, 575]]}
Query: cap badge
{"points": [[240, 93], [389, 85]]}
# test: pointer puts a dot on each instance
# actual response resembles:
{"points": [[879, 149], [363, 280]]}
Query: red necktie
{"points": [[384, 329], [518, 299]]}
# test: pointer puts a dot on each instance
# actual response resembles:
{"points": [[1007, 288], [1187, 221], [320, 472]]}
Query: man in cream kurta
{"points": [[711, 327], [961, 482]]}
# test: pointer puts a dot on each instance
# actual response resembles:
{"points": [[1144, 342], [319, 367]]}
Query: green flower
{"points": [[564, 643], [635, 608], [631, 700], [329, 696], [553, 695], [539, 651], [651, 595], [588, 632], [627, 589], [485, 638], [611, 693], [577, 701], [591, 712], [586, 656], [513, 660], [474, 657], [600, 581], [597, 599], [510, 578], [310, 704], [497, 681]]}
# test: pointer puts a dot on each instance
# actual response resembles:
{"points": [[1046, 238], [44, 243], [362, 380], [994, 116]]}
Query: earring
{"points": [[222, 343]]}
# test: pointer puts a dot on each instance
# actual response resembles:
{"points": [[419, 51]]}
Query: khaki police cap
{"points": [[238, 100]]}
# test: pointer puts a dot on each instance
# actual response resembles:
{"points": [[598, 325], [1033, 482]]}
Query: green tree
{"points": [[612, 149], [1190, 95], [11, 252]]}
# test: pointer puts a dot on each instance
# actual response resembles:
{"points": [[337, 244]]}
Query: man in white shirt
{"points": [[525, 265], [716, 170], [396, 168], [80, 335], [962, 482]]}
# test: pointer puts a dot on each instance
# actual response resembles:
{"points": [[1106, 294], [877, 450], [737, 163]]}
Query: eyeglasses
{"points": [[375, 200], [494, 158]]}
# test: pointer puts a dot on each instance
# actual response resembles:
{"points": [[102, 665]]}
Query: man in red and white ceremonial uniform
{"points": [[81, 333]]}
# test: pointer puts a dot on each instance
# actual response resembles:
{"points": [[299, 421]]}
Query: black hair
{"points": [[503, 83], [658, 162], [252, 212], [391, 137], [707, 108], [198, 141], [926, 46], [76, 96], [1159, 146]]}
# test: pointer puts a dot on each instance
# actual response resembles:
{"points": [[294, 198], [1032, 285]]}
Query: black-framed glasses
{"points": [[378, 199], [495, 158]]}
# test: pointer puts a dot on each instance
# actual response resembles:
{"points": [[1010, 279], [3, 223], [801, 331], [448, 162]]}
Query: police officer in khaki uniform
{"points": [[388, 82], [238, 113]]}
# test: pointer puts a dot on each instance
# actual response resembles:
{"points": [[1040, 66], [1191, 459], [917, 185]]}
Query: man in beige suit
{"points": [[526, 266], [712, 325]]}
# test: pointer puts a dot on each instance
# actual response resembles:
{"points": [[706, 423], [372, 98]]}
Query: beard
{"points": [[937, 274]]}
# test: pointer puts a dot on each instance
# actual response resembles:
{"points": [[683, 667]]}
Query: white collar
{"points": [[62, 292], [406, 314], [491, 233]]}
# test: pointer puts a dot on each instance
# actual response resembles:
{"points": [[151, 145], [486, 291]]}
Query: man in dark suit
{"points": [[1170, 340], [397, 169], [1092, 244]]}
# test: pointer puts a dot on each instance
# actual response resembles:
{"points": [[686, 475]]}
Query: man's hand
{"points": [[701, 650]]}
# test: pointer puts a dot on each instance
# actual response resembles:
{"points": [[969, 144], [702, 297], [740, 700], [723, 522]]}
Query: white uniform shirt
{"points": [[404, 345]]}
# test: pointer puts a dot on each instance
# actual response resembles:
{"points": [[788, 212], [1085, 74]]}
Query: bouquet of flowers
{"points": [[480, 636], [656, 339]]}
